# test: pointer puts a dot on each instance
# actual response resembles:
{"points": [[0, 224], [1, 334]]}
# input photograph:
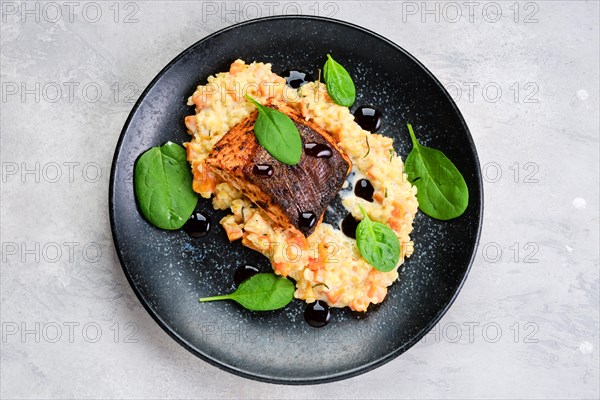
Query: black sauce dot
{"points": [[349, 225], [307, 220], [296, 78], [317, 314], [244, 272], [317, 150], [369, 118], [364, 189], [262, 170], [197, 225]]}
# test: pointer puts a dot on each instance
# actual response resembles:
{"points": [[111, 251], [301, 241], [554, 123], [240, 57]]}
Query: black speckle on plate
{"points": [[259, 345]]}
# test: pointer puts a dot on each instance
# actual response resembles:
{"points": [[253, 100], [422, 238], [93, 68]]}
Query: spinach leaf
{"points": [[262, 292], [441, 189], [278, 134], [378, 244], [163, 186], [339, 83]]}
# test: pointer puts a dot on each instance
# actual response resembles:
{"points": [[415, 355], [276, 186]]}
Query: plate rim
{"points": [[337, 376]]}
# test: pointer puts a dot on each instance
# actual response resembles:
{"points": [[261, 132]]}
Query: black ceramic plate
{"points": [[169, 271]]}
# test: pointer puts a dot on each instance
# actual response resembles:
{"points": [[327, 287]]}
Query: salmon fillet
{"points": [[292, 193]]}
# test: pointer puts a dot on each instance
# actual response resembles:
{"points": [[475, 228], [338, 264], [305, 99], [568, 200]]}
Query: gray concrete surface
{"points": [[525, 76]]}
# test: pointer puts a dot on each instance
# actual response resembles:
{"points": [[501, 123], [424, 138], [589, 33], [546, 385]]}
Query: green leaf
{"points": [[441, 189], [262, 292], [378, 244], [339, 83], [278, 134], [163, 186]]}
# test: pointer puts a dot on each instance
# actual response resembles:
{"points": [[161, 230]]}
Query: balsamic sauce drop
{"points": [[364, 190], [197, 226], [243, 273], [317, 314], [317, 150], [369, 118], [349, 224], [263, 170], [307, 220], [296, 79]]}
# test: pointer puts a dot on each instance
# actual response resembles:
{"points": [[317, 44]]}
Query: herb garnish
{"points": [[262, 292], [441, 189], [320, 284], [163, 186], [377, 243], [277, 133], [339, 83], [368, 147]]}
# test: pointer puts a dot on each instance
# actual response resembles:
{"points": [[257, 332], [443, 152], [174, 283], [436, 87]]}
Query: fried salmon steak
{"points": [[293, 196]]}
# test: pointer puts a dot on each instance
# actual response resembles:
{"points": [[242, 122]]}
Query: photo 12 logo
{"points": [[51, 252], [68, 332], [51, 172], [69, 92], [242, 334], [53, 12], [238, 11], [470, 11], [494, 92], [488, 332]]}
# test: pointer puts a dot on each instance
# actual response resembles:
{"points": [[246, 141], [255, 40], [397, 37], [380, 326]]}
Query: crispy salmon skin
{"points": [[291, 194]]}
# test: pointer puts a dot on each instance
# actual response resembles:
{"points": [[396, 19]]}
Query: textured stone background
{"points": [[525, 76]]}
